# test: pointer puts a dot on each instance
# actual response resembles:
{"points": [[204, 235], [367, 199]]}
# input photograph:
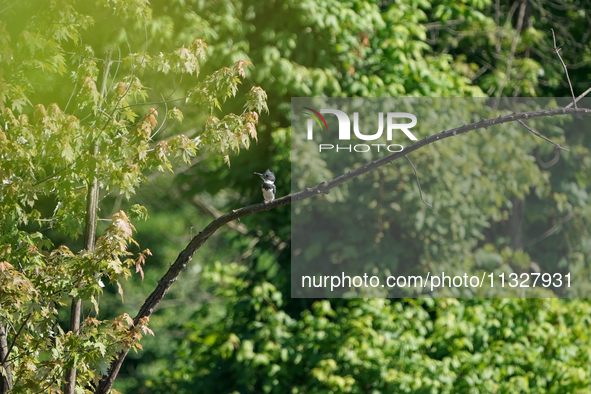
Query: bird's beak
{"points": [[256, 173]]}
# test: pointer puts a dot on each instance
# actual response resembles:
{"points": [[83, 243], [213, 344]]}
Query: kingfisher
{"points": [[268, 186]]}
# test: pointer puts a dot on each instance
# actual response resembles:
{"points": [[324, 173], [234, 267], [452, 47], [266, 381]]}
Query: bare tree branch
{"points": [[586, 92], [541, 136], [200, 238], [557, 52]]}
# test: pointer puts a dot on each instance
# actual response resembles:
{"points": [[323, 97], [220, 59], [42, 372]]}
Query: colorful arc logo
{"points": [[316, 118]]}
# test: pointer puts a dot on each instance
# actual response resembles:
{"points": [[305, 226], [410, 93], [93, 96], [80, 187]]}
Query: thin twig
{"points": [[418, 182], [586, 92], [541, 136], [116, 70], [92, 201], [164, 121], [151, 103], [71, 95], [130, 79], [570, 85], [129, 85], [49, 177]]}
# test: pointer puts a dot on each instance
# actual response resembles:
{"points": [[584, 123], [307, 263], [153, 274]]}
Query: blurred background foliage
{"points": [[503, 200]]}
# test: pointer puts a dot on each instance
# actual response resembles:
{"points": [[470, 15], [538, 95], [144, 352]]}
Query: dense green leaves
{"points": [[133, 77], [380, 346], [474, 182]]}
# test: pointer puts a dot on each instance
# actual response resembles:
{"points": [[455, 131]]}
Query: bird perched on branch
{"points": [[268, 186]]}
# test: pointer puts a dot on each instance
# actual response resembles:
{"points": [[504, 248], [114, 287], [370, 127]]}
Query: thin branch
{"points": [[49, 177], [570, 85], [71, 95], [541, 136], [586, 92], [479, 73], [200, 238], [117, 69], [105, 113], [418, 183], [152, 103], [123, 95]]}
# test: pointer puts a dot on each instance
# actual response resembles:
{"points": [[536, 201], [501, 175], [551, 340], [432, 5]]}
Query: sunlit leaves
{"points": [[391, 346], [175, 114], [184, 147], [133, 9], [230, 133], [216, 88], [87, 93], [256, 100], [182, 60]]}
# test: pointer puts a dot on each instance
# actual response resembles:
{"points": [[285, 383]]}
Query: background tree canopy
{"points": [[183, 85]]}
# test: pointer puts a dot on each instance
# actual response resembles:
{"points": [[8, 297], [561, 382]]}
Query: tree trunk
{"points": [[89, 234], [5, 372]]}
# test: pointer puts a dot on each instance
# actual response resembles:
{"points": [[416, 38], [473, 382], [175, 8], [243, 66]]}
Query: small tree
{"points": [[67, 152]]}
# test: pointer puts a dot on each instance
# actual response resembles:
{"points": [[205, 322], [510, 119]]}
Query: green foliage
{"points": [[229, 325], [251, 344], [50, 154], [378, 345]]}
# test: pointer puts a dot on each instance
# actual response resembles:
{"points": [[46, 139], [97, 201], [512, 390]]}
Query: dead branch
{"points": [[541, 136], [557, 52], [200, 238], [586, 92]]}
